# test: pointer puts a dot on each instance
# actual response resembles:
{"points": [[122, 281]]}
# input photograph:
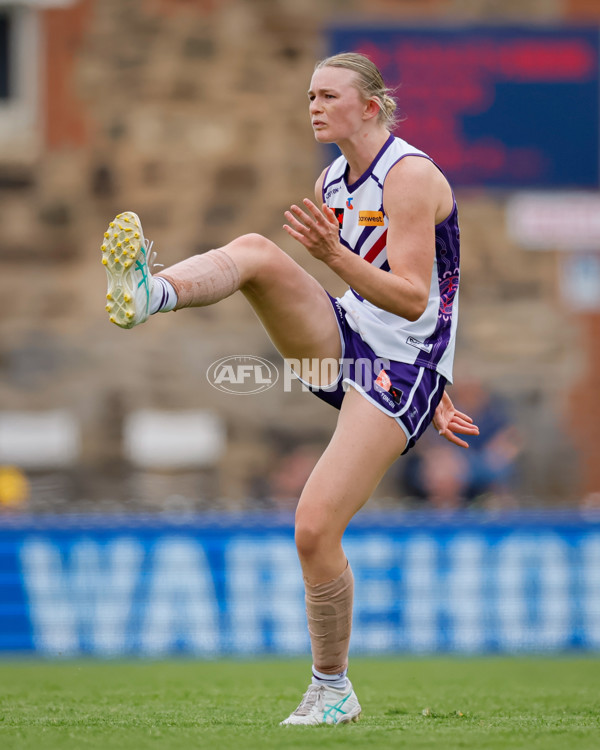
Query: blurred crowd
{"points": [[434, 476], [439, 476]]}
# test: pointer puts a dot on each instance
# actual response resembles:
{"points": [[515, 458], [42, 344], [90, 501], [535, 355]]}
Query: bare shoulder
{"points": [[417, 179], [415, 170]]}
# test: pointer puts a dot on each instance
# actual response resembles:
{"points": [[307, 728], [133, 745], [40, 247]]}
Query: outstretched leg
{"points": [[290, 303], [292, 306], [365, 443]]}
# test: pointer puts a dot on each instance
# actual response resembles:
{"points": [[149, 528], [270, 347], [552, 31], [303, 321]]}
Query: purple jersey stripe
{"points": [[448, 257], [366, 235]]}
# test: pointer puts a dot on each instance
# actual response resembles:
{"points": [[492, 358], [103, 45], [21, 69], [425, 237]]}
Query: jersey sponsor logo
{"points": [[412, 341], [370, 218], [387, 399], [383, 383], [349, 203], [396, 395], [330, 192], [339, 214]]}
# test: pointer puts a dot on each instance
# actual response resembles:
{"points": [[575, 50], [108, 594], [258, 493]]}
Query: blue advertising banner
{"points": [[508, 107], [121, 587]]}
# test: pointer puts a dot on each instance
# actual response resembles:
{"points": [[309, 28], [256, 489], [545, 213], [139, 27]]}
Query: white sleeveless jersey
{"points": [[430, 340]]}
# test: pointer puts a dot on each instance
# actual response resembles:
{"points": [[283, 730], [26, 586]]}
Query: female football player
{"points": [[385, 221]]}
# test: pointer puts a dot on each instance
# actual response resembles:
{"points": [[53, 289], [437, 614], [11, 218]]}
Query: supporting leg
{"points": [[366, 442], [329, 614]]}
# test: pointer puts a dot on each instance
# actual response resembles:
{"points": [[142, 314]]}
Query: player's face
{"points": [[336, 105]]}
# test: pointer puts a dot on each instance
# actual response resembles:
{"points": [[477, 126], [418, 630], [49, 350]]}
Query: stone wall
{"points": [[193, 114]]}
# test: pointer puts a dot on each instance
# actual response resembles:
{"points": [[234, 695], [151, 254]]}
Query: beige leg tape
{"points": [[203, 279], [329, 613]]}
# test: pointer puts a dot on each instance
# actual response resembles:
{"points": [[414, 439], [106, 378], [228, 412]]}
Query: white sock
{"points": [[338, 681], [163, 297]]}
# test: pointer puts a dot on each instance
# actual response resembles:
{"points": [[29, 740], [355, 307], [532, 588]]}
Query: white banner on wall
{"points": [[547, 220]]}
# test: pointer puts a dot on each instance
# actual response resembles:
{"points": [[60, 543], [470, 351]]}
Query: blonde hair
{"points": [[369, 82]]}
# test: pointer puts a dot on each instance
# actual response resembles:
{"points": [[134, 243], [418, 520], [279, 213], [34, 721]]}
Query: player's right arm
{"points": [[411, 206], [447, 419]]}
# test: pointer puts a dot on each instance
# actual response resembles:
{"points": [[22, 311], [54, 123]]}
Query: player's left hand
{"points": [[316, 229], [447, 421]]}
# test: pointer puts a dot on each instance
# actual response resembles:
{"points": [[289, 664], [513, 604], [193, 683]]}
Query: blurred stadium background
{"points": [[142, 510]]}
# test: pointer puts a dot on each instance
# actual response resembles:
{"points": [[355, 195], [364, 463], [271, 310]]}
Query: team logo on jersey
{"points": [[448, 289], [339, 215], [349, 203], [370, 218]]}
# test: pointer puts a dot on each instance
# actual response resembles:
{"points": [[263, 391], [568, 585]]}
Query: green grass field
{"points": [[494, 703]]}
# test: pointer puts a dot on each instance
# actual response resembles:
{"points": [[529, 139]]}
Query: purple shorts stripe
{"points": [[409, 393]]}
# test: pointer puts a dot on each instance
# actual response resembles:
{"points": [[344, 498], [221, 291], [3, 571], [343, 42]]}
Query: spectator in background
{"points": [[439, 476], [492, 460], [278, 480], [290, 474], [449, 479]]}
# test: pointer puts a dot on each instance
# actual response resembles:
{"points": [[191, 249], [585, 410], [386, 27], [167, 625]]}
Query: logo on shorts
{"points": [[242, 374], [387, 399], [383, 383], [370, 218], [339, 215], [412, 341], [396, 395]]}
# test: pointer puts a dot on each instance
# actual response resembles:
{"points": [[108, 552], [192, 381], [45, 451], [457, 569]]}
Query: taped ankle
{"points": [[203, 279], [329, 614]]}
